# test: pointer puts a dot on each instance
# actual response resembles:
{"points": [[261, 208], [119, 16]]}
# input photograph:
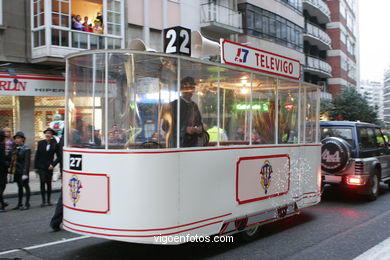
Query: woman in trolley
{"points": [[162, 176]]}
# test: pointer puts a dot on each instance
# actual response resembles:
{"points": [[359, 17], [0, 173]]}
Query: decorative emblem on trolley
{"points": [[265, 173], [74, 189]]}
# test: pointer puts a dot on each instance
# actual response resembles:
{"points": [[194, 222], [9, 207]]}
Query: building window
{"points": [[1, 13], [343, 9], [39, 38], [343, 37], [80, 24], [38, 13], [266, 25], [46, 111], [8, 112], [114, 17]]}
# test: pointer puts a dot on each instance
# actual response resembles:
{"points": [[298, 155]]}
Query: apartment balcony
{"points": [[318, 67], [65, 41], [317, 37], [220, 19], [317, 8], [54, 34], [325, 95]]}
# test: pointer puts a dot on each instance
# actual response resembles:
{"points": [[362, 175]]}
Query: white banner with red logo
{"points": [[262, 177], [31, 85], [88, 192], [244, 56]]}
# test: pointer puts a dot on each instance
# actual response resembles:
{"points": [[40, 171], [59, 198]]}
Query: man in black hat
{"points": [[20, 168], [191, 125], [3, 171], [44, 164]]}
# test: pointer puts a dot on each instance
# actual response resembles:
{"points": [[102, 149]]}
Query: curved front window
{"points": [[136, 100]]}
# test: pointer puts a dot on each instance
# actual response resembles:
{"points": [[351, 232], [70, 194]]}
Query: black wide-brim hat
{"points": [[20, 134], [51, 130], [189, 80]]}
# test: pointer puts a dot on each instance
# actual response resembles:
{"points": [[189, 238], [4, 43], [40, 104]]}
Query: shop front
{"points": [[31, 103]]}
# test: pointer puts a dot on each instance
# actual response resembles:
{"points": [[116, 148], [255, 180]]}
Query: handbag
{"points": [[196, 139]]}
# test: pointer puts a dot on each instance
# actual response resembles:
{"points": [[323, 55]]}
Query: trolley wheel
{"points": [[250, 234]]}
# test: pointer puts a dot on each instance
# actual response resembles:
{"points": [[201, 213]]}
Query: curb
{"points": [[15, 195]]}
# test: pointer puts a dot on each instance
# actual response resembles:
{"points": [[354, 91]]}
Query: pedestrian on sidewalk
{"points": [[3, 171], [56, 220], [9, 143], [44, 164], [20, 168]]}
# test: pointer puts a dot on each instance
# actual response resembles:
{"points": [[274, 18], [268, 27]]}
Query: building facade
{"points": [[386, 97], [373, 92], [35, 36], [320, 34], [344, 55], [316, 44]]}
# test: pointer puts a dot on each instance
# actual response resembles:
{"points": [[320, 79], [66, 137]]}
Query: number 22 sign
{"points": [[177, 40], [75, 162]]}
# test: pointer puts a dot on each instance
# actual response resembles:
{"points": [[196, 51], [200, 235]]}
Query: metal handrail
{"points": [[318, 33], [317, 63], [321, 5], [211, 12]]}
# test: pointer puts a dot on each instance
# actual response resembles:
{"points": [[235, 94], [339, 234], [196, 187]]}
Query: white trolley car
{"points": [[124, 180]]}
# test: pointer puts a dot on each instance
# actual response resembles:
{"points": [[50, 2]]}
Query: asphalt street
{"points": [[342, 226]]}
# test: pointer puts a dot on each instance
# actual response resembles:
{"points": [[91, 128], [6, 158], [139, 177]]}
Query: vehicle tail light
{"points": [[359, 167], [355, 180]]}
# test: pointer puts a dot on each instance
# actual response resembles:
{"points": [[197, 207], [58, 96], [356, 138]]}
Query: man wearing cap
{"points": [[3, 171], [44, 164], [190, 119], [20, 168]]}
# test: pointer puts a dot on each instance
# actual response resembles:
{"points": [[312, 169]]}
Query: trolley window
{"points": [[133, 100]]}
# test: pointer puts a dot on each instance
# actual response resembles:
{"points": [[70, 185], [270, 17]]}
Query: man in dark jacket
{"points": [[191, 125], [20, 168], [56, 220], [44, 163], [3, 171]]}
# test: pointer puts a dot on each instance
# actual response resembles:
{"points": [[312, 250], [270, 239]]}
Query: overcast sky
{"points": [[374, 26]]}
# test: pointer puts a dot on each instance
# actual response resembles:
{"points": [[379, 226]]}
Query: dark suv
{"points": [[354, 155]]}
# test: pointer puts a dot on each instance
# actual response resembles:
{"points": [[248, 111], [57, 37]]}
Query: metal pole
{"points": [[106, 101], [277, 111], [178, 104]]}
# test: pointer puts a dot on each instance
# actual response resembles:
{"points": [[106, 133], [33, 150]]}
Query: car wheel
{"points": [[373, 187], [250, 233]]}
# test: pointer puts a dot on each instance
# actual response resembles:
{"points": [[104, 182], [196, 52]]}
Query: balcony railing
{"points": [[65, 41], [83, 40], [325, 95], [296, 4], [224, 16], [318, 65], [319, 34], [320, 5]]}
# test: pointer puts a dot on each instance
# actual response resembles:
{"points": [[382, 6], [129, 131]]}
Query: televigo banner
{"points": [[244, 56]]}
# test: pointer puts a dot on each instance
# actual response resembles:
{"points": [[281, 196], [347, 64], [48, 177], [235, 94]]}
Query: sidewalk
{"points": [[11, 189]]}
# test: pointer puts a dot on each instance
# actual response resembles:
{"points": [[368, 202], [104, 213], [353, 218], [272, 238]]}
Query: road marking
{"points": [[44, 245], [379, 252]]}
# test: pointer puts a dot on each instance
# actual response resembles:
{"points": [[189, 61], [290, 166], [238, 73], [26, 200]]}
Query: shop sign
{"points": [[31, 85], [244, 56]]}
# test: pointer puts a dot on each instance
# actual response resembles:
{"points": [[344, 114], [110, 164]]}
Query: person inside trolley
{"points": [[191, 127]]}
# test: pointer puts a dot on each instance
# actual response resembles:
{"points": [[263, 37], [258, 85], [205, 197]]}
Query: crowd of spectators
{"points": [[96, 27]]}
